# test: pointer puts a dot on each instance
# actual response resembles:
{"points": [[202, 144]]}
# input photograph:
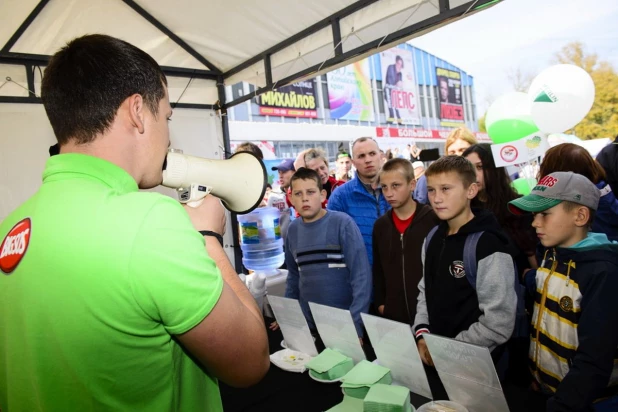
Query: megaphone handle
{"points": [[195, 203]]}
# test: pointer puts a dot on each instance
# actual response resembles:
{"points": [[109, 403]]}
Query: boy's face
{"points": [[448, 196], [557, 227], [307, 199], [396, 189]]}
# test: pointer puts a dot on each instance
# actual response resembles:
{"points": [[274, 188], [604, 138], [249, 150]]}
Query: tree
{"points": [[520, 80], [482, 126], [602, 120]]}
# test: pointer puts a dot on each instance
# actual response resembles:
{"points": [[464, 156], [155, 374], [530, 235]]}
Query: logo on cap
{"points": [[545, 183], [14, 246]]}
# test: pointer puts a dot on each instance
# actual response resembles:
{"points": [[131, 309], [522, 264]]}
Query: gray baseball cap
{"points": [[556, 188]]}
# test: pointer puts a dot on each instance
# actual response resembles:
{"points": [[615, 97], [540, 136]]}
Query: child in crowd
{"points": [[574, 335], [325, 254], [449, 304], [569, 157], [397, 243]]}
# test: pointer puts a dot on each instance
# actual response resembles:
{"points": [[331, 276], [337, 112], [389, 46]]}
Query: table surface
{"points": [[288, 391]]}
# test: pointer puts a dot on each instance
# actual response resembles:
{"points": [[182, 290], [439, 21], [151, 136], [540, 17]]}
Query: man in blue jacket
{"points": [[361, 197]]}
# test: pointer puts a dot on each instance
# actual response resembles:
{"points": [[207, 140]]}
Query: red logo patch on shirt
{"points": [[14, 246]]}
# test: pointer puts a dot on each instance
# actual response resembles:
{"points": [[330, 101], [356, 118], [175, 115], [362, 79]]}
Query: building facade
{"points": [[399, 96]]}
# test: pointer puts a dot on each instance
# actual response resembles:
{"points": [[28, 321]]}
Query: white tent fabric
{"points": [[266, 42]]}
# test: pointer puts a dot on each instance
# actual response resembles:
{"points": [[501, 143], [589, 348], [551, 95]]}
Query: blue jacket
{"points": [[354, 199], [606, 216]]}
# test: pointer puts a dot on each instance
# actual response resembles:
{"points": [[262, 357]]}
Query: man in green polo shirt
{"points": [[109, 299]]}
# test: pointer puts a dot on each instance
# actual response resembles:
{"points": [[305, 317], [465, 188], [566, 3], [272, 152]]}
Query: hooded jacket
{"points": [[397, 266], [574, 334], [448, 305]]}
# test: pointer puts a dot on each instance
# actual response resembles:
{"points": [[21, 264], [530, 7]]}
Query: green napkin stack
{"points": [[357, 382], [349, 404], [329, 365], [387, 398]]}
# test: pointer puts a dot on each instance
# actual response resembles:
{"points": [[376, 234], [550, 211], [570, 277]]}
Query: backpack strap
{"points": [[428, 239], [469, 257]]}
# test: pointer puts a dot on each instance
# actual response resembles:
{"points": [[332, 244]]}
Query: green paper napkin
{"points": [[329, 365], [366, 373], [387, 398], [349, 404], [326, 360]]}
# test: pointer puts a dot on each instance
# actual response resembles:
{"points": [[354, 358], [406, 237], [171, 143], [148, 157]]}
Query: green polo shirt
{"points": [[96, 278]]}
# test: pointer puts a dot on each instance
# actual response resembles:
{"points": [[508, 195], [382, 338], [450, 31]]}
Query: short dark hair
{"points": [[88, 79], [401, 165], [399, 59], [361, 140], [251, 148], [453, 163], [305, 173]]}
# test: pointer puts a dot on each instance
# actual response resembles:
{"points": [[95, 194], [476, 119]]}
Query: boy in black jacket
{"points": [[448, 304], [574, 336], [397, 243]]}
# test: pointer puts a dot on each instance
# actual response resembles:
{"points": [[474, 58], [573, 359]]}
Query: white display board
{"points": [[336, 328], [467, 373], [396, 349], [520, 151], [293, 325]]}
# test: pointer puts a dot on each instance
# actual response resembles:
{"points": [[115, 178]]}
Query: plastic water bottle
{"points": [[261, 242]]}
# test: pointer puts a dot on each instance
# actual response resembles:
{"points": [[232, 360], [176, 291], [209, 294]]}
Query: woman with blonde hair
{"points": [[458, 141]]}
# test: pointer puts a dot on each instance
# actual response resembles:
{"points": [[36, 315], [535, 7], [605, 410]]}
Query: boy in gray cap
{"points": [[574, 333]]}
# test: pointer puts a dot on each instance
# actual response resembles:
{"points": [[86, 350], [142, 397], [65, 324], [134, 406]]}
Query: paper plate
{"points": [[290, 360], [322, 380]]}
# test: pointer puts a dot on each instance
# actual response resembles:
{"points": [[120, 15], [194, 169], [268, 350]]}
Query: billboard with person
{"points": [[400, 87], [451, 98]]}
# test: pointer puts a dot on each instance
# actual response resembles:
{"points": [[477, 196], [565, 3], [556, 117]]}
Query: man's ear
{"points": [[412, 184], [582, 216], [137, 110], [323, 195], [473, 190]]}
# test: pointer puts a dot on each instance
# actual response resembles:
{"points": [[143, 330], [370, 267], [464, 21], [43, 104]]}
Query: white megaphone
{"points": [[240, 181]]}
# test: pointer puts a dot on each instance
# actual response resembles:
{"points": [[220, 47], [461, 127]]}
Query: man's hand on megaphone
{"points": [[208, 215]]}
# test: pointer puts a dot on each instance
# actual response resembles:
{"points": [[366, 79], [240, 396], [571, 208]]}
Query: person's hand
{"points": [[381, 309], [274, 326], [300, 160], [209, 215], [424, 352]]}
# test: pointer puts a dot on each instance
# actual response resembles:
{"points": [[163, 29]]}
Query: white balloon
{"points": [[561, 96], [513, 105]]}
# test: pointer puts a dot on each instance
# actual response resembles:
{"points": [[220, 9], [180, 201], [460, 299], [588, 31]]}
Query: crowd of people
{"points": [[112, 298], [455, 250]]}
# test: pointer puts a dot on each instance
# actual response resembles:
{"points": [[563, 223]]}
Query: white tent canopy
{"points": [[202, 46], [266, 42]]}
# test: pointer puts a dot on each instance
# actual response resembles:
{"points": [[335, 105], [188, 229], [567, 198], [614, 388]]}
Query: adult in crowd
{"points": [[251, 148], [344, 167], [569, 157], [315, 159], [608, 158], [361, 197], [280, 198], [458, 141], [420, 191], [113, 299]]}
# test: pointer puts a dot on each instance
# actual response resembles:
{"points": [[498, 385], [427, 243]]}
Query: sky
{"points": [[524, 35]]}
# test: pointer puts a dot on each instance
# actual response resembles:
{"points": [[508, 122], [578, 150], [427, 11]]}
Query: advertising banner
{"points": [[400, 132], [349, 92], [451, 97], [295, 100], [400, 87]]}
